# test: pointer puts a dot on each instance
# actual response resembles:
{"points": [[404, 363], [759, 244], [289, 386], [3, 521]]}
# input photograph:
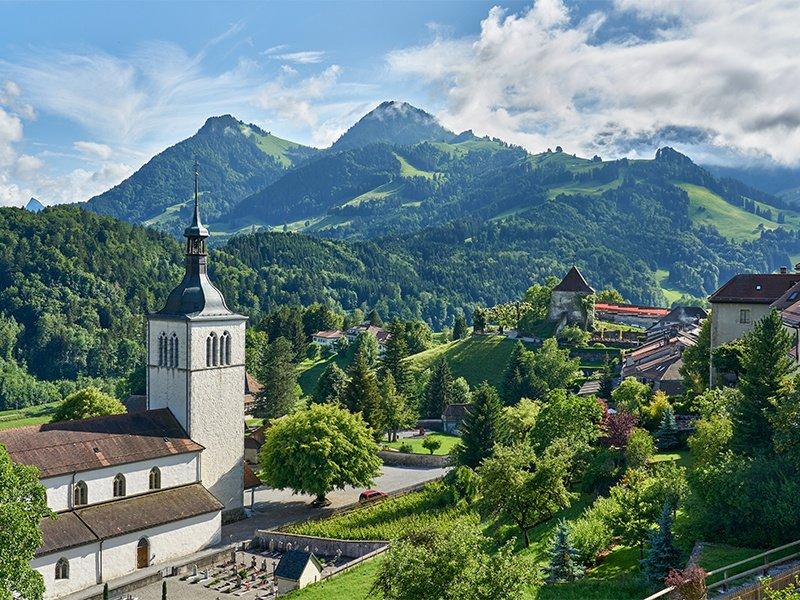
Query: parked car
{"points": [[371, 495]]}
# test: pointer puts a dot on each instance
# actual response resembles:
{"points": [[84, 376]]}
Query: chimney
{"points": [[784, 270], [797, 268]]}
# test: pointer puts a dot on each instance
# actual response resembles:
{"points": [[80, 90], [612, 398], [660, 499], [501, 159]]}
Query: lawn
{"points": [[716, 556], [671, 294], [477, 358], [354, 584], [33, 415], [681, 457], [447, 441]]}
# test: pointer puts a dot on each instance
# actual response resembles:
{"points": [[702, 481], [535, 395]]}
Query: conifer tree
{"points": [[278, 375], [481, 428], [394, 410], [460, 327], [396, 351], [662, 555], [374, 318], [361, 394], [564, 565], [438, 392], [667, 434], [330, 386], [479, 320], [766, 366], [514, 378]]}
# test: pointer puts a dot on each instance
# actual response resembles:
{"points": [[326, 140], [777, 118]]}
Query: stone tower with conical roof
{"points": [[195, 368], [568, 304]]}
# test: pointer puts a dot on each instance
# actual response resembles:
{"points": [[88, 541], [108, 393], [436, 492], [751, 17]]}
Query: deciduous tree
{"points": [[85, 403], [330, 386], [317, 450]]}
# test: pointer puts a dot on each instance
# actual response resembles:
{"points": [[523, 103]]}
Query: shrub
{"points": [[431, 444], [689, 584], [406, 448], [639, 449], [592, 532]]}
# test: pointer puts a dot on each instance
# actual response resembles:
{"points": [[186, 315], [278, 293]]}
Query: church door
{"points": [[142, 554]]}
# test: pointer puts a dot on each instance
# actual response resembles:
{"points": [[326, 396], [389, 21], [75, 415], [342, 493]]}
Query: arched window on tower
{"points": [[155, 478], [80, 494], [119, 486], [173, 346], [62, 568], [226, 349], [215, 349], [162, 350]]}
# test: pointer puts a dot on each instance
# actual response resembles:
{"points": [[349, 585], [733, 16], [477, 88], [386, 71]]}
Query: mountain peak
{"points": [[393, 122], [219, 123], [34, 205]]}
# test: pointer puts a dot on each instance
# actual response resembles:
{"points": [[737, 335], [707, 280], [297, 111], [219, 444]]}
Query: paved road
{"points": [[273, 508]]}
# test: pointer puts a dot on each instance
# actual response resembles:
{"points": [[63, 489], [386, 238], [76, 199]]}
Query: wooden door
{"points": [[142, 554]]}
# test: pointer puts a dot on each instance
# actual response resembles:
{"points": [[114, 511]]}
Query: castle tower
{"points": [[567, 301], [195, 367]]}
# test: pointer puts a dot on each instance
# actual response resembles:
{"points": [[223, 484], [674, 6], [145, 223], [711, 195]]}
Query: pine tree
{"points": [[766, 366], [565, 565], [479, 320], [374, 318], [396, 351], [330, 386], [394, 410], [515, 376], [438, 393], [278, 375], [667, 434], [481, 427], [361, 394], [662, 555], [460, 327]]}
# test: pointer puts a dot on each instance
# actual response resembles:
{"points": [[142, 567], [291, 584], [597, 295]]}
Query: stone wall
{"points": [[320, 546], [404, 459]]}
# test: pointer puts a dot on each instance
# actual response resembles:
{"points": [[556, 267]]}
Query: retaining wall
{"points": [[405, 459], [318, 545]]}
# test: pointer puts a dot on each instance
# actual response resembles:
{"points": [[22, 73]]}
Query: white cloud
{"points": [[307, 57], [718, 70], [27, 166], [294, 100], [93, 149]]}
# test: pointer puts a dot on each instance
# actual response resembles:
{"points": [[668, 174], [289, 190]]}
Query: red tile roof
{"points": [[86, 444], [573, 282], [755, 288], [632, 309]]}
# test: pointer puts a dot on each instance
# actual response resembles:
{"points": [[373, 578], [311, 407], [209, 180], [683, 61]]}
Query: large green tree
{"points": [[525, 488], [85, 403], [361, 395], [396, 351], [23, 504], [317, 450], [278, 376], [330, 385], [481, 428], [696, 359], [394, 410], [515, 377], [766, 367], [460, 330], [438, 392]]}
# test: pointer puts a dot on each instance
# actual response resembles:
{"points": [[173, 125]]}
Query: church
{"points": [[139, 489]]}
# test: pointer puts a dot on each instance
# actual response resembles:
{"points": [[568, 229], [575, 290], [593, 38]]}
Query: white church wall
{"points": [[83, 573], [167, 542], [216, 418], [175, 470], [167, 386]]}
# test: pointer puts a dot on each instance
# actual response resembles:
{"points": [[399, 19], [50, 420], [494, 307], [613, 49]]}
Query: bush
{"points": [[639, 449], [406, 448], [592, 532], [603, 471]]}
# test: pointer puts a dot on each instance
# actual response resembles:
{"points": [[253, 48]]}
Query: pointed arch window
{"points": [[80, 494], [119, 486], [215, 349], [155, 478], [225, 348], [62, 568], [162, 350], [173, 351], [212, 348]]}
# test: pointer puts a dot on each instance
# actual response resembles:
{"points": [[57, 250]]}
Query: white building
{"points": [[327, 338], [140, 489]]}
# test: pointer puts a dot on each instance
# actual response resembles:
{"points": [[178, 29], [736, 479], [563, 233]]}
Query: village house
{"points": [[296, 570], [748, 297], [140, 489], [658, 362], [327, 339], [629, 314], [453, 416], [680, 318]]}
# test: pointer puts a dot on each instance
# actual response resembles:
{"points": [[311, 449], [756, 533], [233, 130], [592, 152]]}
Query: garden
{"points": [[431, 443]]}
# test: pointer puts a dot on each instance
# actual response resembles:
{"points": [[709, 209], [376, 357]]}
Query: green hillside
{"points": [[477, 358]]}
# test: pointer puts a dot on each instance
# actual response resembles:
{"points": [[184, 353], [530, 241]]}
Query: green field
{"points": [[477, 358], [707, 208], [33, 415], [272, 145], [409, 170], [671, 294], [354, 584], [583, 188], [382, 192], [447, 441]]}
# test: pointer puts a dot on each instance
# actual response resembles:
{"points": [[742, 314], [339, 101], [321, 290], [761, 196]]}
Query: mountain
{"points": [[395, 123], [235, 160], [34, 205]]}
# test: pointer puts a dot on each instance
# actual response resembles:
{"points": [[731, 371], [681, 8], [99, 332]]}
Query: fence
{"points": [[755, 565]]}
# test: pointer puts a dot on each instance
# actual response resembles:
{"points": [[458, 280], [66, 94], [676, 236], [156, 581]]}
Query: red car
{"points": [[370, 495]]}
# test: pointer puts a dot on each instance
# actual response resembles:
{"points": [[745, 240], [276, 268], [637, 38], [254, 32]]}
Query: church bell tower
{"points": [[195, 368]]}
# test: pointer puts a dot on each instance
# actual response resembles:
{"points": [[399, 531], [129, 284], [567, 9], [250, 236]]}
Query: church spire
{"points": [[196, 233]]}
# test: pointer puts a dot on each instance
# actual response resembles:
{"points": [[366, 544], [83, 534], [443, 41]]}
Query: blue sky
{"points": [[90, 91]]}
